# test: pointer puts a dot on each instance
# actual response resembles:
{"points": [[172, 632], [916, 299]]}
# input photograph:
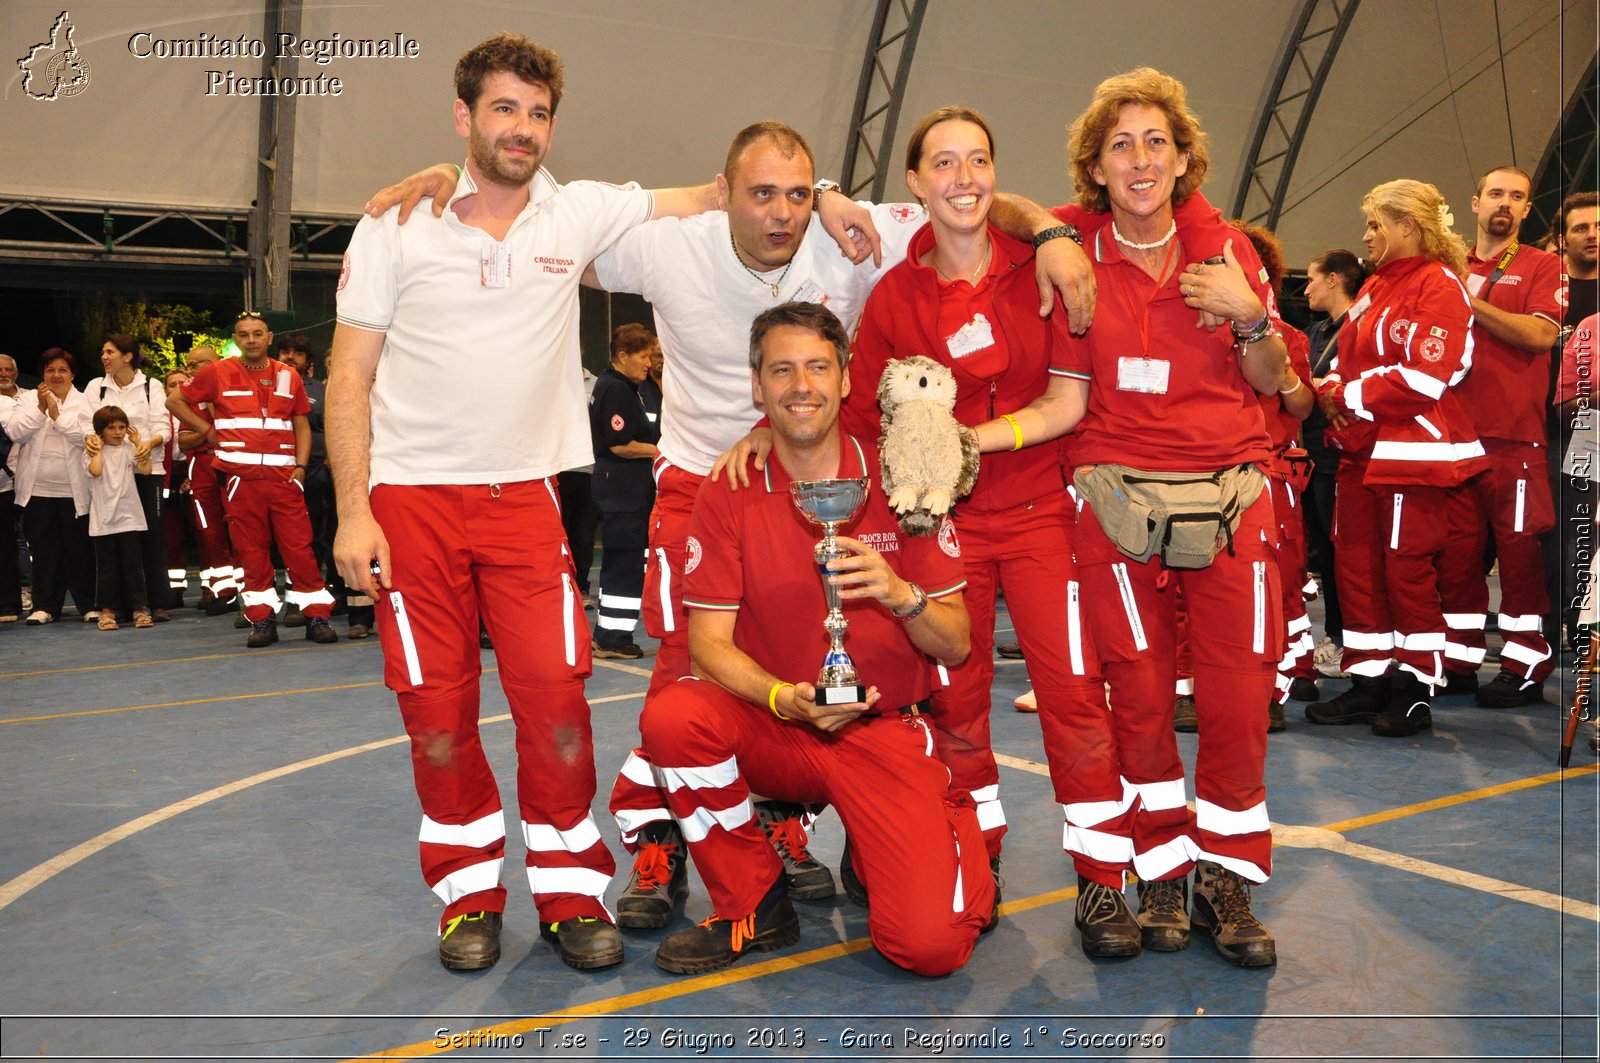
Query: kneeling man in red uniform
{"points": [[749, 719]]}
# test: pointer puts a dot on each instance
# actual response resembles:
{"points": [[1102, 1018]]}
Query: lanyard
{"points": [[1500, 267], [1144, 319]]}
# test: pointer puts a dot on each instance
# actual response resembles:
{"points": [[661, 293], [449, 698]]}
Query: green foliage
{"points": [[157, 326]]}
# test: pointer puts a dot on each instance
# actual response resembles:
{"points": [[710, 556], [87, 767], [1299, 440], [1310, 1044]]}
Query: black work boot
{"points": [[1366, 697], [586, 944], [1106, 929], [1409, 710], [718, 942], [1222, 910], [808, 880], [1164, 914], [470, 942], [1508, 690], [660, 879], [318, 629]]}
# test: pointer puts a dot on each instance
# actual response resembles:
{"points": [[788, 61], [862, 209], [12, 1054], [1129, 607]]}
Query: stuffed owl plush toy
{"points": [[929, 461]]}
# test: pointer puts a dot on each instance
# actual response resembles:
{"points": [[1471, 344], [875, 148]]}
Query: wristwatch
{"points": [[1055, 232], [822, 188], [916, 610]]}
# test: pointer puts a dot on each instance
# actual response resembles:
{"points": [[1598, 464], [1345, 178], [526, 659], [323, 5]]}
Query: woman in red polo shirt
{"points": [[1165, 385], [965, 296]]}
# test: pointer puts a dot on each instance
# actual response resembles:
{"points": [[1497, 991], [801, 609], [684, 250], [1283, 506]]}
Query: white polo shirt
{"points": [[705, 299], [480, 380]]}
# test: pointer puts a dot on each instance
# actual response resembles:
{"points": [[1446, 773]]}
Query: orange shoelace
{"points": [[792, 837], [654, 864], [743, 931]]}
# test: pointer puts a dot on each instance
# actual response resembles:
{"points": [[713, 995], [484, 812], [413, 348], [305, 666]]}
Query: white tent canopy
{"points": [[656, 89]]}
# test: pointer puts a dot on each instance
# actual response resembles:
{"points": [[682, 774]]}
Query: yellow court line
{"points": [[146, 664], [37, 876], [1460, 799], [193, 701]]}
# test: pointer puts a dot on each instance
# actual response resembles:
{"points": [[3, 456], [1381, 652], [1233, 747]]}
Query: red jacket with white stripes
{"points": [[1407, 342], [254, 412]]}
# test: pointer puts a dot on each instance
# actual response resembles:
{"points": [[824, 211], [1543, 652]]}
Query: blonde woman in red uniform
{"points": [[1406, 441], [965, 296], [1154, 397]]}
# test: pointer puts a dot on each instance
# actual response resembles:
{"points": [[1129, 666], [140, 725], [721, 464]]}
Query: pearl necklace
{"points": [[1125, 242], [774, 285]]}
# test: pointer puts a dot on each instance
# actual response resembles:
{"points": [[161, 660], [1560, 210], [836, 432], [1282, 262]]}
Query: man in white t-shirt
{"points": [[448, 504]]}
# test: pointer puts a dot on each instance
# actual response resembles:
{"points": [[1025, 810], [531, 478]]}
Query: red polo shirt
{"points": [[750, 551], [1507, 389], [1208, 416]]}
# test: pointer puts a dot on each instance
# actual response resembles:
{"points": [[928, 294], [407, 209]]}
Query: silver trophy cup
{"points": [[832, 503]]}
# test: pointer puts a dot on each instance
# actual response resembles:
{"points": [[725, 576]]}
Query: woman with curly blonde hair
{"points": [[1406, 442]]}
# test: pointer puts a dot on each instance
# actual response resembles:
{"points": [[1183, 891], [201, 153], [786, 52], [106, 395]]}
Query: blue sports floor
{"points": [[209, 853]]}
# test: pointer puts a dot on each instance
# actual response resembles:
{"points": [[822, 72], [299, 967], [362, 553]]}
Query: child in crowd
{"points": [[116, 518]]}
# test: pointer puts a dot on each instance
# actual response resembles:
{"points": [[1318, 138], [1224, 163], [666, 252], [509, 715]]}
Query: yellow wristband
{"points": [[1016, 431], [772, 700]]}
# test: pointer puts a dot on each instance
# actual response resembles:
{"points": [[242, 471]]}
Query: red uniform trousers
{"points": [[1126, 806], [262, 512], [1026, 551], [217, 568], [663, 612], [499, 551], [1513, 500], [1388, 540], [914, 841], [1298, 643]]}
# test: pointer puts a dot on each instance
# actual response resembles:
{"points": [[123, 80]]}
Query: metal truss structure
{"points": [[1569, 163], [895, 26], [1302, 69]]}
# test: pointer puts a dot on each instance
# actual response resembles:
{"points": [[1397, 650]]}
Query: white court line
{"points": [[1334, 842], [37, 876]]}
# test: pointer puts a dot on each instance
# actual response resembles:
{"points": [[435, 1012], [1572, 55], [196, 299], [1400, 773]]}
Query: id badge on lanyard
{"points": [[1144, 374]]}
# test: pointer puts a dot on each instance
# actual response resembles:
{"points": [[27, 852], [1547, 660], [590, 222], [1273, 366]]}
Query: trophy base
{"points": [[841, 695]]}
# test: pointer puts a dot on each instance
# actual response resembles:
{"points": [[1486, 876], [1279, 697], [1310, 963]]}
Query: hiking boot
{"points": [[1325, 659], [319, 629], [359, 631], [262, 633], [1409, 710], [854, 888], [217, 606], [1184, 719], [807, 879], [1459, 684], [240, 620], [628, 651], [1106, 929], [1275, 720], [1366, 698], [293, 617], [1302, 689], [660, 879], [1011, 651], [584, 943], [1509, 690], [718, 942], [1164, 914], [1222, 910], [470, 942]]}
